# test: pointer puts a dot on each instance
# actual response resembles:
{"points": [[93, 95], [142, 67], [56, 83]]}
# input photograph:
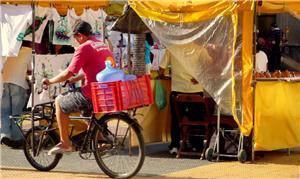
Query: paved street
{"points": [[158, 164]]}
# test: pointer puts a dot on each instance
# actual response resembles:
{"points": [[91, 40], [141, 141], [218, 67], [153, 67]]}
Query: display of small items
{"points": [[277, 74]]}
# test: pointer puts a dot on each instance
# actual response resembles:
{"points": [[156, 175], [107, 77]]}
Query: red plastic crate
{"points": [[105, 96], [121, 95], [136, 93]]}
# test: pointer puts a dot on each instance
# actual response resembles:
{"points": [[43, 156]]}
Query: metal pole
{"points": [[218, 132], [254, 79], [103, 31], [128, 45], [32, 76]]}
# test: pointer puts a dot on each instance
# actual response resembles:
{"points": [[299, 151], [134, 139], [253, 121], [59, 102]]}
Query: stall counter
{"points": [[277, 115], [156, 123]]}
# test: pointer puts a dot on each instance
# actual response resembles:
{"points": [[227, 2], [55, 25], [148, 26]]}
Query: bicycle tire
{"points": [[42, 161], [119, 157]]}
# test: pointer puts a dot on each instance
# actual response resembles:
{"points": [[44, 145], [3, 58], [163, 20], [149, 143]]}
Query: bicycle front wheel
{"points": [[42, 142], [119, 146]]}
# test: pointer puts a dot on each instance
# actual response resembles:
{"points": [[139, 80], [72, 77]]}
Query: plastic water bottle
{"points": [[129, 77], [110, 74]]}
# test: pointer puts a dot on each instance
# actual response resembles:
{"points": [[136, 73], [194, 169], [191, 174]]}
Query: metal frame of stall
{"points": [[241, 153], [214, 152]]}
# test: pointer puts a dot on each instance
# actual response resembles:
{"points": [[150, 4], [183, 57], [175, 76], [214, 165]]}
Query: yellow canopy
{"points": [[111, 8], [291, 6], [191, 11]]}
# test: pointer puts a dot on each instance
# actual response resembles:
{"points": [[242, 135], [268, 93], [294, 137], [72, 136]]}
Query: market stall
{"points": [[277, 120], [194, 25]]}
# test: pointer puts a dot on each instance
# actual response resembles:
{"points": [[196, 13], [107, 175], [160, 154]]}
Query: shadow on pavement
{"points": [[11, 173], [278, 157]]}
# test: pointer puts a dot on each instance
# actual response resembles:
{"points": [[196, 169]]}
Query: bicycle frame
{"points": [[108, 139], [39, 114], [93, 123], [40, 110]]}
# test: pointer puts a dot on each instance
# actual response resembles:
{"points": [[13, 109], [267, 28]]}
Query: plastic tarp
{"points": [[190, 29]]}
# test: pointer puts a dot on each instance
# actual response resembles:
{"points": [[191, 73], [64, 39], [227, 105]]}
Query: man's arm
{"points": [[76, 78], [213, 51], [161, 71], [62, 76], [164, 64]]}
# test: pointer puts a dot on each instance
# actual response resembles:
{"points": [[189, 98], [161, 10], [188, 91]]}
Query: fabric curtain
{"points": [[277, 122]]}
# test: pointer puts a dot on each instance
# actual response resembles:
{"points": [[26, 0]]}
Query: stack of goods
{"points": [[138, 60], [278, 74]]}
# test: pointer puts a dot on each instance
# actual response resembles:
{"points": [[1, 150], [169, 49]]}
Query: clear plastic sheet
{"points": [[192, 42]]}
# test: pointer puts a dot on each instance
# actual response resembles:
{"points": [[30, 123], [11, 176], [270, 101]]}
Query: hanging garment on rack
{"points": [[14, 22], [73, 19], [62, 29], [96, 20], [48, 66], [42, 16], [117, 41], [158, 53]]}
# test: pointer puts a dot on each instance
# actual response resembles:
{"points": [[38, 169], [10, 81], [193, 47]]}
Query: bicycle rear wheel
{"points": [[119, 147], [43, 142]]}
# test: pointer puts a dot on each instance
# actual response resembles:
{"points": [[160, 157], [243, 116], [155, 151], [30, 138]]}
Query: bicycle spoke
{"points": [[41, 144], [122, 156]]}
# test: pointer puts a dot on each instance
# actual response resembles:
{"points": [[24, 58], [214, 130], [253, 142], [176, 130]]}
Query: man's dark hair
{"points": [[258, 47], [274, 25], [83, 28]]}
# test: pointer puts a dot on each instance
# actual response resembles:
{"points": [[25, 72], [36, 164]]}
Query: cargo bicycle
{"points": [[114, 140]]}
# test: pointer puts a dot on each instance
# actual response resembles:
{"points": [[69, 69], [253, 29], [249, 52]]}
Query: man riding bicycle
{"points": [[90, 56]]}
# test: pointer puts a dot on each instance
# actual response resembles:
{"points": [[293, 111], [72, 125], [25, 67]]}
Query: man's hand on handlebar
{"points": [[66, 83], [46, 83]]}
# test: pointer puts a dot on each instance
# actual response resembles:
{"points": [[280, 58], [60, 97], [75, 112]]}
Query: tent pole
{"points": [[32, 76], [253, 77], [129, 46]]}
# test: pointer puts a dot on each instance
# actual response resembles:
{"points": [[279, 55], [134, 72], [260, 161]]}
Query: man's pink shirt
{"points": [[90, 57]]}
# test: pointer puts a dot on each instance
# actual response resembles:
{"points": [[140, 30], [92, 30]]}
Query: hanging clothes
{"points": [[42, 16], [73, 19], [96, 19], [62, 30], [63, 27], [48, 66], [158, 53], [14, 22]]}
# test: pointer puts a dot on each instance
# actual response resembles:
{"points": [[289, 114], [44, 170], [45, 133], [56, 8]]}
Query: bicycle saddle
{"points": [[86, 113]]}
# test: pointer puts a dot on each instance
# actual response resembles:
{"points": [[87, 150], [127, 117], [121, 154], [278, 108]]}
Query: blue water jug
{"points": [[110, 74], [129, 77]]}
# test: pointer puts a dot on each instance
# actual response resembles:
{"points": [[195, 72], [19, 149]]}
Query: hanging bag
{"points": [[160, 95]]}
